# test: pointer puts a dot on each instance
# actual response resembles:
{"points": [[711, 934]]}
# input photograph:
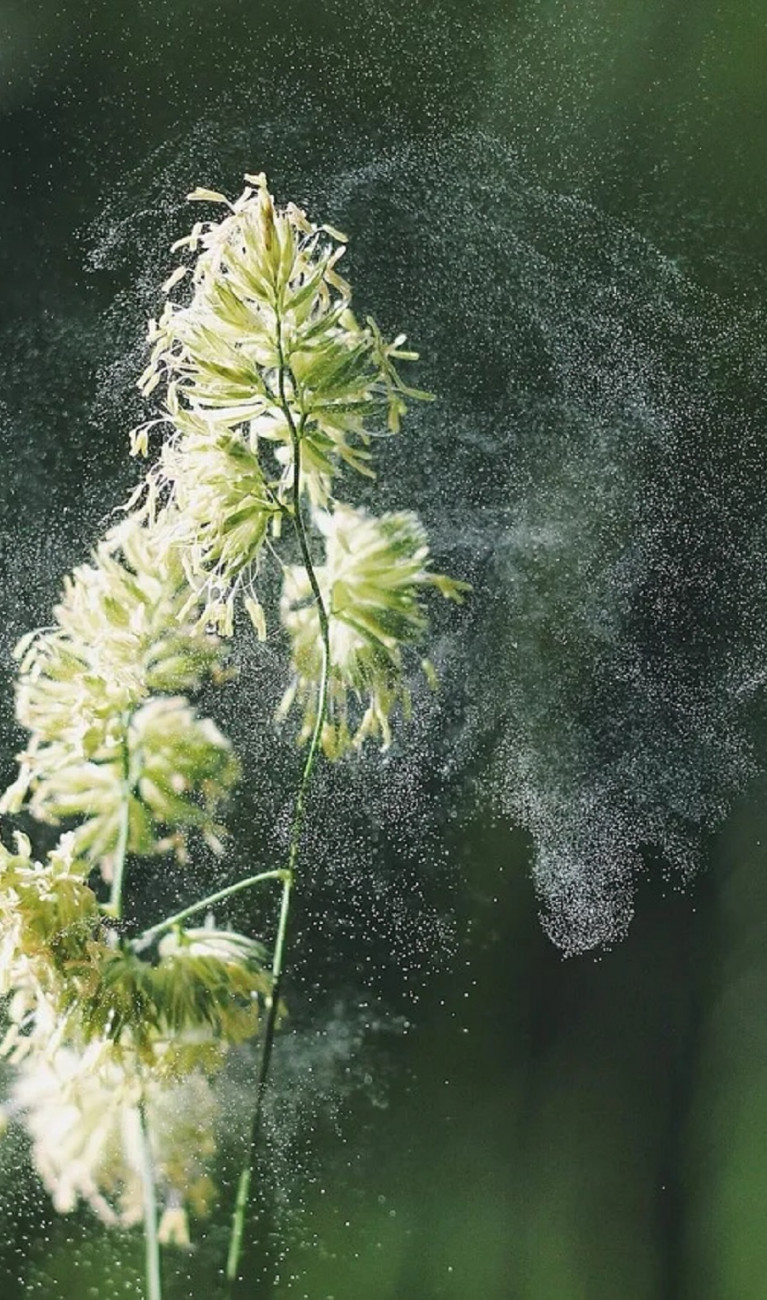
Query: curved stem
{"points": [[147, 936], [152, 1245], [278, 959]]}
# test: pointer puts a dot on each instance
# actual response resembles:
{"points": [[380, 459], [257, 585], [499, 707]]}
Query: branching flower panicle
{"points": [[99, 1036], [270, 388]]}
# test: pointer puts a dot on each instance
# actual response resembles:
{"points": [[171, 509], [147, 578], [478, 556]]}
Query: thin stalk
{"points": [[147, 936], [115, 905], [152, 1245], [278, 959]]}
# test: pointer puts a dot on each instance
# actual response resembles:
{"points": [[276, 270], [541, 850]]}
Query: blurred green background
{"points": [[563, 204]]}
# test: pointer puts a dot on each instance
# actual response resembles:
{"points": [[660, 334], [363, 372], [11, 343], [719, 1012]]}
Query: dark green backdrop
{"points": [[563, 205]]}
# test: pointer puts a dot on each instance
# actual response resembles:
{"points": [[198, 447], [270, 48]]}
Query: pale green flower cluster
{"points": [[95, 1032], [268, 341], [221, 512], [48, 915], [83, 1115], [372, 584], [102, 736]]}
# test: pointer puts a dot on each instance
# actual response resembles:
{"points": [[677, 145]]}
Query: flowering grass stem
{"points": [[147, 936], [115, 905], [288, 875], [151, 1242], [270, 384]]}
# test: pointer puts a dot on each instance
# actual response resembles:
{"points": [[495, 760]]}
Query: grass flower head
{"points": [[373, 582], [84, 1119]]}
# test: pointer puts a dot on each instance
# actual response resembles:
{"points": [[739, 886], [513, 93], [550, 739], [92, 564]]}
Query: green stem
{"points": [[152, 1245], [147, 936], [115, 905], [278, 959]]}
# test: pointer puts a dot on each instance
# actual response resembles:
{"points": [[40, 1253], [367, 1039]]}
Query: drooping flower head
{"points": [[167, 772], [83, 1113], [74, 980], [372, 584], [198, 997]]}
